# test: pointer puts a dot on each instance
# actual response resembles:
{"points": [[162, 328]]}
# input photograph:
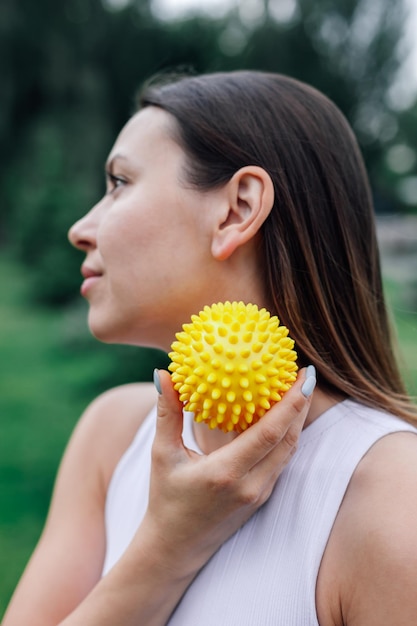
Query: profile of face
{"points": [[158, 250]]}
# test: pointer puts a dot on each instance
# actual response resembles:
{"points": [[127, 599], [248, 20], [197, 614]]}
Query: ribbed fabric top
{"points": [[265, 574]]}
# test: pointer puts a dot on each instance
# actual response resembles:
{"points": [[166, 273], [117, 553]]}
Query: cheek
{"points": [[132, 254], [119, 233], [155, 235]]}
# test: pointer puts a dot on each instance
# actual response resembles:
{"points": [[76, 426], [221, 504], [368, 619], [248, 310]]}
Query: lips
{"points": [[91, 276], [89, 272]]}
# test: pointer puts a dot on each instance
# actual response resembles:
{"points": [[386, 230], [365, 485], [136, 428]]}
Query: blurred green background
{"points": [[69, 73]]}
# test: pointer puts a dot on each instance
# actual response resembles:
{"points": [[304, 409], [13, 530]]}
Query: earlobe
{"points": [[249, 200]]}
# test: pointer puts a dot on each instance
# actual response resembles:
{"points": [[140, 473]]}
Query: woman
{"points": [[243, 186]]}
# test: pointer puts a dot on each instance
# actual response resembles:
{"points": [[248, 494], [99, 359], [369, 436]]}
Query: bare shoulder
{"points": [[112, 420], [101, 436], [369, 568], [122, 408], [68, 560]]}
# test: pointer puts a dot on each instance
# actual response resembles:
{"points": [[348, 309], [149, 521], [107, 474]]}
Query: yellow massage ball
{"points": [[231, 364]]}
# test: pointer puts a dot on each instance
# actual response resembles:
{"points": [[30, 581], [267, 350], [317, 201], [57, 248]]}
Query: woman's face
{"points": [[147, 242]]}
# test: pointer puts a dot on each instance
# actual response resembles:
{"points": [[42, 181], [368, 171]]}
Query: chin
{"points": [[102, 330], [119, 334], [103, 336]]}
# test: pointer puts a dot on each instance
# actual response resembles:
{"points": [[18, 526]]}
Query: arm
{"points": [[68, 559], [370, 564], [196, 503]]}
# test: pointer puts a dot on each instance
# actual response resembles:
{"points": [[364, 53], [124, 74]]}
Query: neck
{"points": [[209, 440]]}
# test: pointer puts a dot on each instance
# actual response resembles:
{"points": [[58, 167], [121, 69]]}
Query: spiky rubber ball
{"points": [[231, 364]]}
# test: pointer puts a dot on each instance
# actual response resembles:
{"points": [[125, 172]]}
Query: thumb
{"points": [[169, 421]]}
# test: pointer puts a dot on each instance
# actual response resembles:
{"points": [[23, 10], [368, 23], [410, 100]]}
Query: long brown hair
{"points": [[319, 252]]}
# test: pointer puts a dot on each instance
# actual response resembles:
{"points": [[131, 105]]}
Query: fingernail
{"points": [[310, 381], [157, 382], [311, 371], [308, 387]]}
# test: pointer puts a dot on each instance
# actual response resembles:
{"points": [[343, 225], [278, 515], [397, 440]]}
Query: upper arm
{"points": [[372, 551], [68, 559]]}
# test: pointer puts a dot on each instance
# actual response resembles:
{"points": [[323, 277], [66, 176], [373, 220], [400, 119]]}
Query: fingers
{"points": [[220, 490], [269, 443], [169, 420], [277, 431], [309, 382]]}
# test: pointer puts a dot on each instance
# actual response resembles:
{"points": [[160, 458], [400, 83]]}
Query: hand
{"points": [[196, 501]]}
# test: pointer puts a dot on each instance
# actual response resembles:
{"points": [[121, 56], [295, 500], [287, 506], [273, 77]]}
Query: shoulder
{"points": [[383, 490], [370, 564], [110, 422], [385, 482], [113, 418], [68, 559], [126, 405]]}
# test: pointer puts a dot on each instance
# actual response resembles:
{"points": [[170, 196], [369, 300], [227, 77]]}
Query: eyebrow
{"points": [[110, 163]]}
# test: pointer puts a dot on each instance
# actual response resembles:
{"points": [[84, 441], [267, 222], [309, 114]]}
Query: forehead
{"points": [[151, 131]]}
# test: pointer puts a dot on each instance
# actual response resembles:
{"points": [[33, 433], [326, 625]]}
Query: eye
{"points": [[114, 182]]}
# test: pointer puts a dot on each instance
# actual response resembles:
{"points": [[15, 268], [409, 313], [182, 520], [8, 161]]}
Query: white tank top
{"points": [[265, 574]]}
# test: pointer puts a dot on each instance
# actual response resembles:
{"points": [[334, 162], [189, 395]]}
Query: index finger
{"points": [[250, 447]]}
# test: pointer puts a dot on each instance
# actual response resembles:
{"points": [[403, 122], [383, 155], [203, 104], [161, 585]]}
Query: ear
{"points": [[249, 200]]}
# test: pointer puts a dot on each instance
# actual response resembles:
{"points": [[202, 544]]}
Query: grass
{"points": [[41, 396], [49, 370], [405, 319]]}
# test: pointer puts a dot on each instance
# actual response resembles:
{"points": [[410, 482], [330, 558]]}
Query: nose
{"points": [[82, 234]]}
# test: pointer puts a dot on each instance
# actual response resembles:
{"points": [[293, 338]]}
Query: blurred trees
{"points": [[70, 71]]}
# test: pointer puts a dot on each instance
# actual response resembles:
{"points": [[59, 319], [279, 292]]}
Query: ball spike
{"points": [[231, 363]]}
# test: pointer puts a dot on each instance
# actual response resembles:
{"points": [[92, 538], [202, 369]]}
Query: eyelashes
{"points": [[114, 182]]}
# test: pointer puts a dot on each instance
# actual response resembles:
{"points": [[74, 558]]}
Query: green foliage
{"points": [[395, 170], [405, 321], [49, 187], [50, 369], [69, 81], [70, 71]]}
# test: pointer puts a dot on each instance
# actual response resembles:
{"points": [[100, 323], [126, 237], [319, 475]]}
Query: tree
{"points": [[69, 85]]}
